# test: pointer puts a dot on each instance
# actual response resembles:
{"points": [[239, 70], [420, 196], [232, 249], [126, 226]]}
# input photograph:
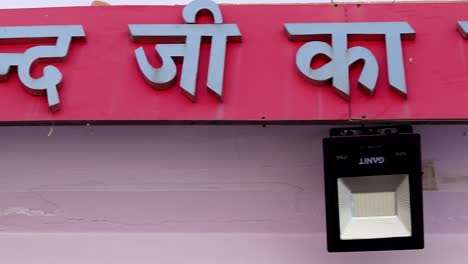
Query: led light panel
{"points": [[374, 207]]}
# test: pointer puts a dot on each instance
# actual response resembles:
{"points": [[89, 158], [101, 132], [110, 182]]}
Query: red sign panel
{"points": [[435, 64], [101, 79]]}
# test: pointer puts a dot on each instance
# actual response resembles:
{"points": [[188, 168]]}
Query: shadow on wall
{"points": [[99, 3]]}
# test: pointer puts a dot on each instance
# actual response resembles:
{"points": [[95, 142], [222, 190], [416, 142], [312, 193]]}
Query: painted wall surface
{"points": [[172, 194]]}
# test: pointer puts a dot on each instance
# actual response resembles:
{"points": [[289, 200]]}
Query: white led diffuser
{"points": [[374, 207]]}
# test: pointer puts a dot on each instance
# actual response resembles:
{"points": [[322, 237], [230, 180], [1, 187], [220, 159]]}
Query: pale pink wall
{"points": [[112, 248], [204, 194]]}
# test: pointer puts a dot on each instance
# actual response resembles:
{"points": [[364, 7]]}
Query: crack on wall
{"points": [[293, 192], [10, 211], [32, 211], [165, 222], [45, 200], [177, 186]]}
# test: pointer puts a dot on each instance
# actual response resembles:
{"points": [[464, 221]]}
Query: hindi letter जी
{"points": [[185, 43]]}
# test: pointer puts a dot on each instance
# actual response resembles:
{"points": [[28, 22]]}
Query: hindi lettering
{"points": [[182, 41], [336, 71]]}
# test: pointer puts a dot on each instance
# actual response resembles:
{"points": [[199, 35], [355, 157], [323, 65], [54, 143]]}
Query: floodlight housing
{"points": [[373, 189]]}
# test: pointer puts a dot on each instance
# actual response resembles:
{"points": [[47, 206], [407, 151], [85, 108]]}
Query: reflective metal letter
{"points": [[462, 27], [337, 70], [188, 39], [48, 84]]}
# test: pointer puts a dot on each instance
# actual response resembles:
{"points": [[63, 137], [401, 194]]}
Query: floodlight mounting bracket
{"points": [[371, 130]]}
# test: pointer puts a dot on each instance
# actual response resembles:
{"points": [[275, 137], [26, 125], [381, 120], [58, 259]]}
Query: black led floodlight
{"points": [[373, 189]]}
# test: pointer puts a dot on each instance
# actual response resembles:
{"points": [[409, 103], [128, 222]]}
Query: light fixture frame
{"points": [[402, 151]]}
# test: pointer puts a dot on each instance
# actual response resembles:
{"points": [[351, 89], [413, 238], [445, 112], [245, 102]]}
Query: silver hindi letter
{"points": [[48, 84], [462, 27], [341, 57], [183, 42]]}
